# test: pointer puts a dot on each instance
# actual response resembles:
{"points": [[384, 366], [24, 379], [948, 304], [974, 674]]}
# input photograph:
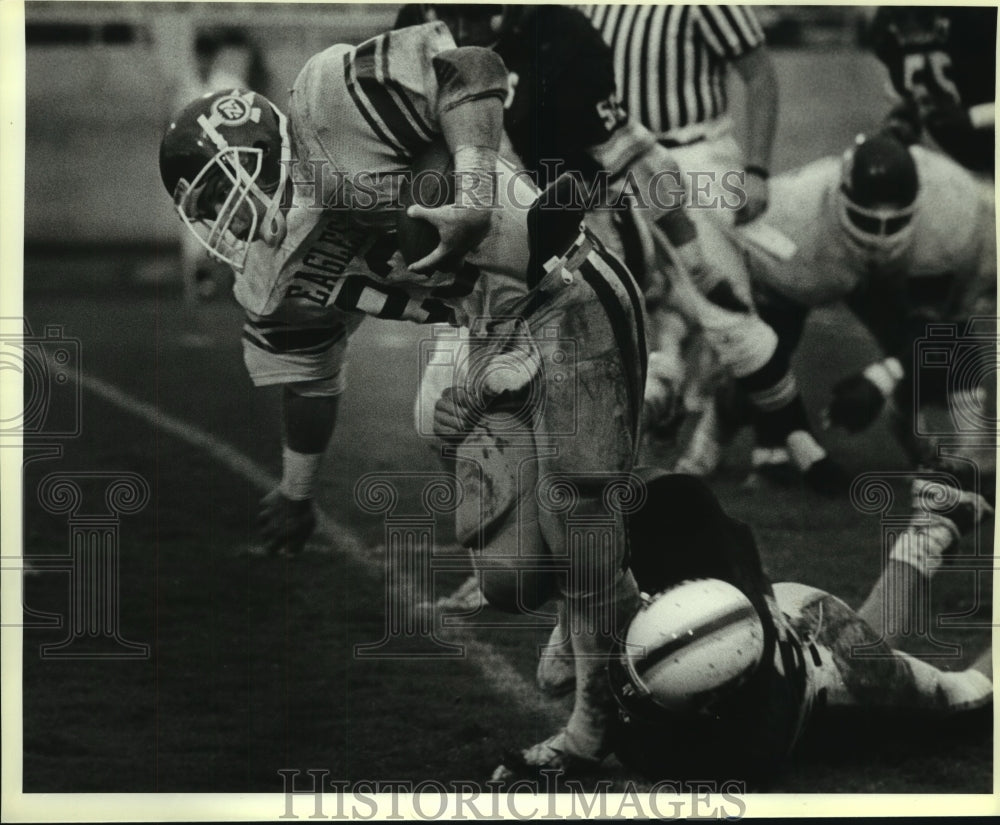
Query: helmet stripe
{"points": [[693, 635]]}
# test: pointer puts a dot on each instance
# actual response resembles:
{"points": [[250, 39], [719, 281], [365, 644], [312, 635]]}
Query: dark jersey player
{"points": [[563, 113], [563, 98], [942, 62], [696, 703]]}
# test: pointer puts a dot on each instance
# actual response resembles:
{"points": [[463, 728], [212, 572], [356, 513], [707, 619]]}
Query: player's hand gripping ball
{"points": [[430, 184]]}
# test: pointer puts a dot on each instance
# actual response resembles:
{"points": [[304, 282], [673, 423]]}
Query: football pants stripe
{"points": [[631, 287], [294, 340], [622, 325]]}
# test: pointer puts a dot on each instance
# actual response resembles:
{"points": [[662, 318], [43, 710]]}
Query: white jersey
{"points": [[953, 246], [359, 116]]}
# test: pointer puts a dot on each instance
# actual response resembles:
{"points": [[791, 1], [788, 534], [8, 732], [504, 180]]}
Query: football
{"points": [[430, 183]]}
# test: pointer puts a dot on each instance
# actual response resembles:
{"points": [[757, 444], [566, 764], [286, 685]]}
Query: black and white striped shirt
{"points": [[670, 61]]}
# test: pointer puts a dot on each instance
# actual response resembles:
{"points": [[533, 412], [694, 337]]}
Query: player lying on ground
{"points": [[563, 113], [719, 673], [305, 210]]}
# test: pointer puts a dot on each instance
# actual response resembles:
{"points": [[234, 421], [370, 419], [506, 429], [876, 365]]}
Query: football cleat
{"points": [[550, 755], [285, 524]]}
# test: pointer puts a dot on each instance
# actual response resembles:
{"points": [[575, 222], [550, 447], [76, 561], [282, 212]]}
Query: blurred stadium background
{"points": [[251, 669]]}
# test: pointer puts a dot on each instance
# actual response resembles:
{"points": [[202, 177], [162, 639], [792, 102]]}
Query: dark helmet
{"points": [[501, 18], [241, 136], [879, 188]]}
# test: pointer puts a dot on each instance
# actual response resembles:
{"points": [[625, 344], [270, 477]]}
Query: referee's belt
{"points": [[670, 143]]}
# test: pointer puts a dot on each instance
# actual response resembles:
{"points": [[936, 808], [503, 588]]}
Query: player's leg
{"points": [[946, 504], [496, 468], [591, 421], [748, 349], [305, 352], [851, 665], [949, 499], [448, 352], [556, 672], [663, 403], [776, 404]]}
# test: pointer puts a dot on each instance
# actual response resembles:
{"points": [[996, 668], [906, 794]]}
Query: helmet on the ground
{"points": [[686, 648], [878, 193], [227, 146]]}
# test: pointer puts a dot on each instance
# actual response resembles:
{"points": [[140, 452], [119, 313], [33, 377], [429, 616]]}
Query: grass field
{"points": [[251, 667]]}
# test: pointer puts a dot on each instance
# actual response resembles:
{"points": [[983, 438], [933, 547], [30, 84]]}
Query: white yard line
{"points": [[495, 669]]}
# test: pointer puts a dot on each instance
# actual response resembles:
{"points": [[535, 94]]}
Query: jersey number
{"points": [[611, 113], [926, 76]]}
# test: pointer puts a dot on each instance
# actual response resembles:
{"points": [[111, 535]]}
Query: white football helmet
{"points": [[689, 645]]}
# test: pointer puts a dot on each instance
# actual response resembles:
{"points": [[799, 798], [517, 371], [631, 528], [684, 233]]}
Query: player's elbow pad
{"points": [[467, 74]]}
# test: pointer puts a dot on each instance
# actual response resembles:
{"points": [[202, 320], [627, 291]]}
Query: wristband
{"points": [[475, 176], [757, 171], [299, 472], [885, 375]]}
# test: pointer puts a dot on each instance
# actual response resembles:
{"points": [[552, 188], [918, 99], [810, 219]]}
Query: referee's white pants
{"points": [[704, 166]]}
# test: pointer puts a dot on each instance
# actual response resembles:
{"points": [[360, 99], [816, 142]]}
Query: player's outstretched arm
{"points": [[472, 84], [287, 514]]}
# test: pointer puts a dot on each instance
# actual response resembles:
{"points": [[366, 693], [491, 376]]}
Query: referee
{"points": [[671, 66]]}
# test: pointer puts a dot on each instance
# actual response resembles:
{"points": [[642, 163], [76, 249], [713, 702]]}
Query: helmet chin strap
{"points": [[274, 227]]}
